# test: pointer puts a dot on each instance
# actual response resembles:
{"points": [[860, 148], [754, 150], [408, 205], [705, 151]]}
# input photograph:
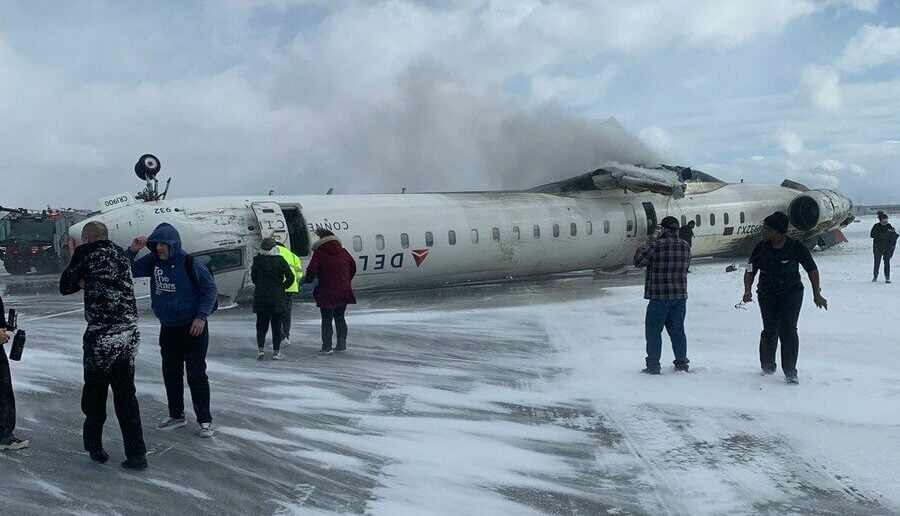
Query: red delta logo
{"points": [[419, 255]]}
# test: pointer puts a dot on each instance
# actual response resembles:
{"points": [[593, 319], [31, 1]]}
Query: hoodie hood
{"points": [[166, 234]]}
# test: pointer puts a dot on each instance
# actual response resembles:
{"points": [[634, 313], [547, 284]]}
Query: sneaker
{"points": [[340, 349], [682, 367], [766, 371], [650, 370], [13, 443], [137, 463], [874, 279], [792, 379], [99, 456], [285, 342], [206, 430], [171, 423], [326, 351], [277, 355], [260, 355], [887, 280]]}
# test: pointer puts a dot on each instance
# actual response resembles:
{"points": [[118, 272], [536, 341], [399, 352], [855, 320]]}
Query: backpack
{"points": [[192, 275]]}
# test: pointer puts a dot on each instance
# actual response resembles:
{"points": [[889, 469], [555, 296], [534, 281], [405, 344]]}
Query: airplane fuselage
{"points": [[421, 240]]}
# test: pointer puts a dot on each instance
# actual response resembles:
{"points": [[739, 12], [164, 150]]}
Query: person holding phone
{"points": [[8, 440]]}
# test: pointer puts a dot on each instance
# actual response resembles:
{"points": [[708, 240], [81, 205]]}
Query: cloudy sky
{"points": [[302, 95]]}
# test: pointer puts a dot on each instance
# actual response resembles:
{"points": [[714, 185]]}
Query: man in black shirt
{"points": [[780, 290], [8, 441]]}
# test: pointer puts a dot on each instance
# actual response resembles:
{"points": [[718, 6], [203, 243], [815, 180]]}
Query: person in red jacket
{"points": [[334, 268]]}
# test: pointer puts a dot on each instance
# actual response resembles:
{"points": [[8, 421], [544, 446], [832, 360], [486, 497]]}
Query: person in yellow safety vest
{"points": [[297, 268]]}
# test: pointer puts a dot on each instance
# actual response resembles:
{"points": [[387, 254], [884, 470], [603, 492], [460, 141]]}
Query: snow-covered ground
{"points": [[521, 398]]}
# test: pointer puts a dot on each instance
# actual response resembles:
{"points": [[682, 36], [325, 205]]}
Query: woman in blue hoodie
{"points": [[182, 299]]}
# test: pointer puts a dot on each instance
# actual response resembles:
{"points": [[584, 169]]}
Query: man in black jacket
{"points": [[101, 268], [884, 241], [8, 441]]}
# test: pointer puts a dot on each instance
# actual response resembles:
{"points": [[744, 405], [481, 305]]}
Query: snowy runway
{"points": [[522, 398]]}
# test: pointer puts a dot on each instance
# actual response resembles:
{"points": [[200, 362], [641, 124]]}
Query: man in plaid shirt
{"points": [[667, 259]]}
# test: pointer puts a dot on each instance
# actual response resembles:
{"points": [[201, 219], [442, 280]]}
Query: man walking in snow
{"points": [[666, 259], [110, 342], [183, 295]]}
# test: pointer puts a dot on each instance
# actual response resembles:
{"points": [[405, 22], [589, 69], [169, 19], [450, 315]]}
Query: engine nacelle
{"points": [[819, 210]]}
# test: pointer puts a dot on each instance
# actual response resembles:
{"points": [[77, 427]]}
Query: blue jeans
{"points": [[668, 313]]}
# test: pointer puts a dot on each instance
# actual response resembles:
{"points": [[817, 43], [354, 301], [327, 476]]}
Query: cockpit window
{"points": [[222, 261]]}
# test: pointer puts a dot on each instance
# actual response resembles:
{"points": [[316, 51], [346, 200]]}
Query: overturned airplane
{"points": [[592, 221]]}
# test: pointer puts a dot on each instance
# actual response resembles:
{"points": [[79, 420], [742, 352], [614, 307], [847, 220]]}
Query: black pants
{"points": [[118, 374], [780, 313], [179, 349], [336, 315], [7, 399], [286, 317], [886, 255], [263, 321]]}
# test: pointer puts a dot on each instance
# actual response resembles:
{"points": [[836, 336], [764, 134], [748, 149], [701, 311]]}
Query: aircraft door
{"points": [[630, 220], [271, 222], [650, 210]]}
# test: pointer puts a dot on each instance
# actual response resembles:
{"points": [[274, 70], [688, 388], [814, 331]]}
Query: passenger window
{"points": [[698, 221], [496, 233], [712, 219], [404, 240], [556, 231], [474, 236], [379, 242], [629, 226], [742, 218], [451, 237], [606, 226], [537, 232], [516, 234], [590, 227], [725, 219], [429, 239], [573, 229], [357, 243]]}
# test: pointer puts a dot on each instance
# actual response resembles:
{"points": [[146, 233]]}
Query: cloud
{"points": [[872, 46], [823, 84], [659, 140], [573, 91], [789, 141], [868, 6]]}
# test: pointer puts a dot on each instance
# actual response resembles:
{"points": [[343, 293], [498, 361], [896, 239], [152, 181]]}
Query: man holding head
{"points": [[183, 295], [102, 270]]}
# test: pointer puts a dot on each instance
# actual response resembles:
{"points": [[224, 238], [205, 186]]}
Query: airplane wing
{"points": [[664, 180]]}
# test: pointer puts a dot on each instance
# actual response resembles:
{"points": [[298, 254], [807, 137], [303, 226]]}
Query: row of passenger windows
{"points": [[474, 235], [698, 220], [536, 232]]}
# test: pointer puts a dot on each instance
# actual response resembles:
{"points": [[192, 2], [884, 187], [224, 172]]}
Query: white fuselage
{"points": [[420, 240]]}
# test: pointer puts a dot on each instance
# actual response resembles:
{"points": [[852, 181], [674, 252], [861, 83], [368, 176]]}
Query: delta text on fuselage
{"points": [[591, 222]]}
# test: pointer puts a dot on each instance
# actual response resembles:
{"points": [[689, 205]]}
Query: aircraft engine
{"points": [[820, 210]]}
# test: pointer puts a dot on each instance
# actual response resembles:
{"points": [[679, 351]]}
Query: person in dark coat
{"points": [[334, 269], [780, 292], [111, 339], [687, 233], [272, 276], [884, 241], [8, 440]]}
